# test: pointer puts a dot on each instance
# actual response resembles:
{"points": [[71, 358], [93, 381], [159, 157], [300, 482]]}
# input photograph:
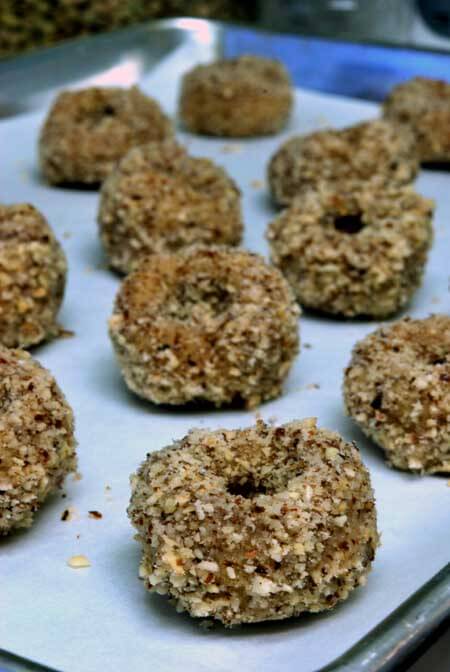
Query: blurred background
{"points": [[28, 24]]}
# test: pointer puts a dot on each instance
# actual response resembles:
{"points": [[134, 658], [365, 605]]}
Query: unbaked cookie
{"points": [[343, 160], [159, 199], [423, 106], [397, 388], [244, 96], [255, 524], [87, 131], [33, 272], [37, 445], [360, 253], [208, 323]]}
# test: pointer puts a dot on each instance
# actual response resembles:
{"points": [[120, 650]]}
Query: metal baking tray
{"points": [[101, 617]]}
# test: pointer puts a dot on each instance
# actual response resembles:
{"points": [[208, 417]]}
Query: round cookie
{"points": [[159, 199], [342, 160], [354, 254], [32, 277], [212, 324], [239, 97], [87, 131], [423, 106], [37, 445], [255, 524], [397, 388]]}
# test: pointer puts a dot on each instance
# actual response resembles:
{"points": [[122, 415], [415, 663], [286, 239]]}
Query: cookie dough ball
{"points": [[397, 388], [160, 200], [255, 524], [342, 160], [210, 324], [423, 106], [354, 254], [239, 97], [32, 277], [37, 445], [86, 132]]}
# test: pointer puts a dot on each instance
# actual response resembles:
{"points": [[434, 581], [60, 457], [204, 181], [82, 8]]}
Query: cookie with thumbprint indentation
{"points": [[359, 253], [422, 105], [239, 97], [33, 272], [159, 199], [206, 324], [87, 131], [255, 524], [343, 160], [37, 445], [397, 389]]}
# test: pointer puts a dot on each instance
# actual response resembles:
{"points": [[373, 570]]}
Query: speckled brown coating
{"points": [[238, 97], [32, 277], [87, 131], [342, 160], [214, 324], [397, 388], [255, 524], [423, 106], [160, 200], [37, 445], [372, 272]]}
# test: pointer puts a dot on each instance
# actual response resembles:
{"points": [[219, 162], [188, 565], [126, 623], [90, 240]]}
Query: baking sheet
{"points": [[85, 619]]}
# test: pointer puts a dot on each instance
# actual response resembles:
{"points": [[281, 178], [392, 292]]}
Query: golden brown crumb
{"points": [[65, 333], [256, 184], [95, 514], [256, 524], [159, 199], [79, 562], [397, 388], [422, 105], [208, 323], [33, 271], [232, 148], [87, 131], [239, 97], [37, 447], [360, 253], [343, 160]]}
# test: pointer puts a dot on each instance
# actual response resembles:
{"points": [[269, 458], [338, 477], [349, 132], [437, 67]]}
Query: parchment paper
{"points": [[102, 618]]}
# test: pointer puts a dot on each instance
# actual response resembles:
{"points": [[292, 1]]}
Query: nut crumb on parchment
{"points": [[95, 514], [78, 562]]}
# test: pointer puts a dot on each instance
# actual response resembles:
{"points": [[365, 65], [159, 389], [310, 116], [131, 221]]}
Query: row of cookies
{"points": [[353, 181], [217, 323]]}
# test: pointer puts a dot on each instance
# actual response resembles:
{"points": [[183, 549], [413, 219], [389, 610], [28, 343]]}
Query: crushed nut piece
{"points": [[78, 562], [257, 184], [95, 514], [65, 333], [231, 149], [69, 514]]}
